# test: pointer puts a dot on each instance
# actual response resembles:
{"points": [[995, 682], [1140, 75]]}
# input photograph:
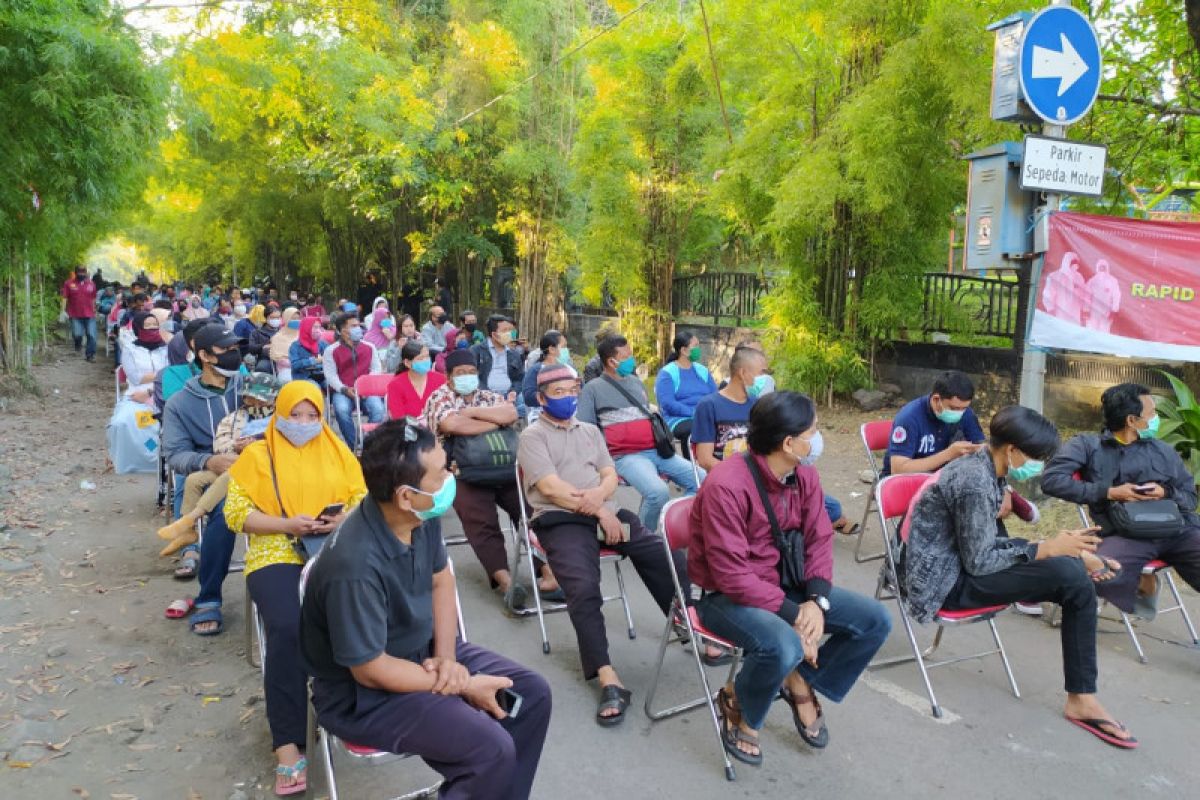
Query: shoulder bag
{"points": [[485, 459], [664, 441], [305, 546], [1139, 519], [790, 543]]}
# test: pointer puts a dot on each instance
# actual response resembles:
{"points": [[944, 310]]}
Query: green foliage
{"points": [[1180, 426]]}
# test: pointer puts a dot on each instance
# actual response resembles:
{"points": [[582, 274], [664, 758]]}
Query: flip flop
{"points": [[613, 697], [180, 608], [189, 565], [1106, 573], [1095, 728], [284, 771]]}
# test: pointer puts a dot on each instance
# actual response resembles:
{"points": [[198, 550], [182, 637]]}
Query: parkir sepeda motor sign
{"points": [[1120, 286]]}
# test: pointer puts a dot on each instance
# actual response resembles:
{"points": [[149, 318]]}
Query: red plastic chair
{"points": [[321, 741], [875, 437], [526, 547], [686, 627], [369, 386], [1156, 568], [894, 496]]}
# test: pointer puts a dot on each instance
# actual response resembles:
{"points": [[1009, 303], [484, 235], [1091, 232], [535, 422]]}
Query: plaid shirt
{"points": [[445, 401]]}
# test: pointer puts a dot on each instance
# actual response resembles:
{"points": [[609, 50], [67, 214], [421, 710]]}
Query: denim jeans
{"points": [[857, 627], [81, 327], [216, 550], [642, 471], [343, 410], [833, 508]]}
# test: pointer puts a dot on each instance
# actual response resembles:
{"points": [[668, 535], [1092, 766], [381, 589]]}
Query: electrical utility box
{"points": [[1008, 102], [999, 213]]}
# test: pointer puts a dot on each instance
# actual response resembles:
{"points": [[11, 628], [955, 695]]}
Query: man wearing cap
{"points": [[189, 428], [570, 479], [476, 428], [79, 306]]}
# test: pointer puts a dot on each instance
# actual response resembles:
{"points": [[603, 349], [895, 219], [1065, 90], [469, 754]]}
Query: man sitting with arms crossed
{"points": [[616, 403], [378, 631], [570, 480]]}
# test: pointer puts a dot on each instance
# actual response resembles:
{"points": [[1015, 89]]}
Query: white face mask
{"points": [[274, 323]]}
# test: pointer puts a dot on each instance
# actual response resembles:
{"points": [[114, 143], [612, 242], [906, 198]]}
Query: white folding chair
{"points": [[526, 547], [695, 467], [256, 636], [325, 743], [875, 436], [894, 496], [683, 625]]}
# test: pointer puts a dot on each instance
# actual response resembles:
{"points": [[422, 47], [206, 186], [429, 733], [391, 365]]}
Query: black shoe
{"points": [[89, 359]]}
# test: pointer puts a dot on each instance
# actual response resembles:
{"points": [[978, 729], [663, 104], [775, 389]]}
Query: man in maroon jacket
{"points": [[734, 558], [79, 304]]}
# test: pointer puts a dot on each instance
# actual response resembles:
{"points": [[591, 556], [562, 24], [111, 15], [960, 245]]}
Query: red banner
{"points": [[1120, 286]]}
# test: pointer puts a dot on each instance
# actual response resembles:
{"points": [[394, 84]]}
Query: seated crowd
{"points": [[261, 436]]}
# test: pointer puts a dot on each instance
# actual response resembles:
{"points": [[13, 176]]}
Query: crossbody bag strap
{"points": [[628, 396], [776, 532], [275, 483]]}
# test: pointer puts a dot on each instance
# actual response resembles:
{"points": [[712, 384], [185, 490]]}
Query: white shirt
{"points": [[329, 366]]}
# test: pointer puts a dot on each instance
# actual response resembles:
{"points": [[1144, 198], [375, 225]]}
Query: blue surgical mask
{"points": [[627, 367], [461, 344], [564, 355], [466, 384], [1030, 469], [561, 407], [422, 366], [443, 498], [294, 325], [759, 386], [357, 334], [298, 433]]}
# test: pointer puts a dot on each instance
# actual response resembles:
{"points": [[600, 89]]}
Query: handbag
{"points": [[1139, 519], [486, 459], [664, 440], [790, 543], [305, 546]]}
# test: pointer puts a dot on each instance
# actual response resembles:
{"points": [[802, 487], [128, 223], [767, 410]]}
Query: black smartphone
{"points": [[330, 511], [509, 702]]}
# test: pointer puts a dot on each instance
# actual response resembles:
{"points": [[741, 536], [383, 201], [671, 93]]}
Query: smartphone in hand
{"points": [[509, 702], [330, 511], [1145, 488]]}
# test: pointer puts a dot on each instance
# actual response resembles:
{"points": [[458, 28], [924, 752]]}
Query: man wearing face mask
{"points": [[434, 332], [933, 430], [79, 306], [345, 361], [189, 426], [476, 426], [616, 403], [467, 321], [501, 366], [378, 630]]}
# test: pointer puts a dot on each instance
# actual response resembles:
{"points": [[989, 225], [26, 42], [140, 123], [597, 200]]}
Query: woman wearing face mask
{"points": [[195, 309], [260, 341], [681, 385], [415, 380], [132, 430], [304, 355], [959, 556], [734, 558], [281, 343], [277, 489]]}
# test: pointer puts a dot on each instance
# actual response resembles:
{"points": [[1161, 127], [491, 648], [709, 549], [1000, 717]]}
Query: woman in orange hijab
{"points": [[278, 490]]}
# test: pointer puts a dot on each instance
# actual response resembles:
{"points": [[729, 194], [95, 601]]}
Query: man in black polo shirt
{"points": [[378, 634]]}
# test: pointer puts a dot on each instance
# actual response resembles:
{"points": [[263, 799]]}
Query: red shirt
{"points": [[81, 298], [732, 550], [403, 400]]}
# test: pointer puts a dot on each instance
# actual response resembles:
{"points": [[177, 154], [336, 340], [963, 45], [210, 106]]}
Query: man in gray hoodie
{"points": [[189, 425]]}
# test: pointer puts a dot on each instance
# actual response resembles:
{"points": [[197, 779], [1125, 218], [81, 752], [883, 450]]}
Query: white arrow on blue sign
{"points": [[1060, 65]]}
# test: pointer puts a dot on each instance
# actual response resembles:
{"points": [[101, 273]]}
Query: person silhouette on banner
{"points": [[1104, 293], [1065, 291]]}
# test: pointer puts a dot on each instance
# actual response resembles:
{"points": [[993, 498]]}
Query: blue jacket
{"points": [[190, 420], [305, 364], [678, 391]]}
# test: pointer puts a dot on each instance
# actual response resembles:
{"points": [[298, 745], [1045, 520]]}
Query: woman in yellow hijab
{"points": [[278, 488], [258, 315]]}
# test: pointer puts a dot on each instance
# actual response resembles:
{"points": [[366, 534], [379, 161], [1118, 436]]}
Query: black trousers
{"points": [[1059, 580], [275, 590], [1182, 552], [574, 554], [683, 432]]}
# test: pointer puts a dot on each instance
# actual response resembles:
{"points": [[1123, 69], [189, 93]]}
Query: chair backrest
{"points": [[372, 385], [895, 494], [875, 436], [677, 522]]}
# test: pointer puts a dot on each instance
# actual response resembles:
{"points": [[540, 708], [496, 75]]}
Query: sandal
{"points": [[180, 608], [1095, 728], [847, 528], [294, 773], [210, 614], [817, 738], [612, 697], [721, 660], [732, 733], [1109, 570], [189, 565]]}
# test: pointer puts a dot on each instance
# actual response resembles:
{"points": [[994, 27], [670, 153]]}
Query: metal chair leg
{"points": [[917, 657], [624, 600], [1012, 680], [859, 558], [1187, 619], [1137, 645], [668, 636], [531, 562], [251, 646]]}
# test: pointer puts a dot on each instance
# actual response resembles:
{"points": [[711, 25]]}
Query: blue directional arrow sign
{"points": [[1060, 65]]}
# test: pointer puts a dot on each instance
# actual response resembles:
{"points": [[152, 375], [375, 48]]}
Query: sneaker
{"points": [[1029, 609], [1024, 510]]}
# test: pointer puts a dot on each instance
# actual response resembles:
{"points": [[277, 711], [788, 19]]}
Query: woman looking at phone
{"points": [[278, 490]]}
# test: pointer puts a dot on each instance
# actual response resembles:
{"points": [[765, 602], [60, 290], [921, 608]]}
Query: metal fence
{"points": [[971, 305], [720, 295]]}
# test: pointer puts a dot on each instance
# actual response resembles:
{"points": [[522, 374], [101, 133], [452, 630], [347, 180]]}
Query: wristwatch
{"points": [[822, 602]]}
